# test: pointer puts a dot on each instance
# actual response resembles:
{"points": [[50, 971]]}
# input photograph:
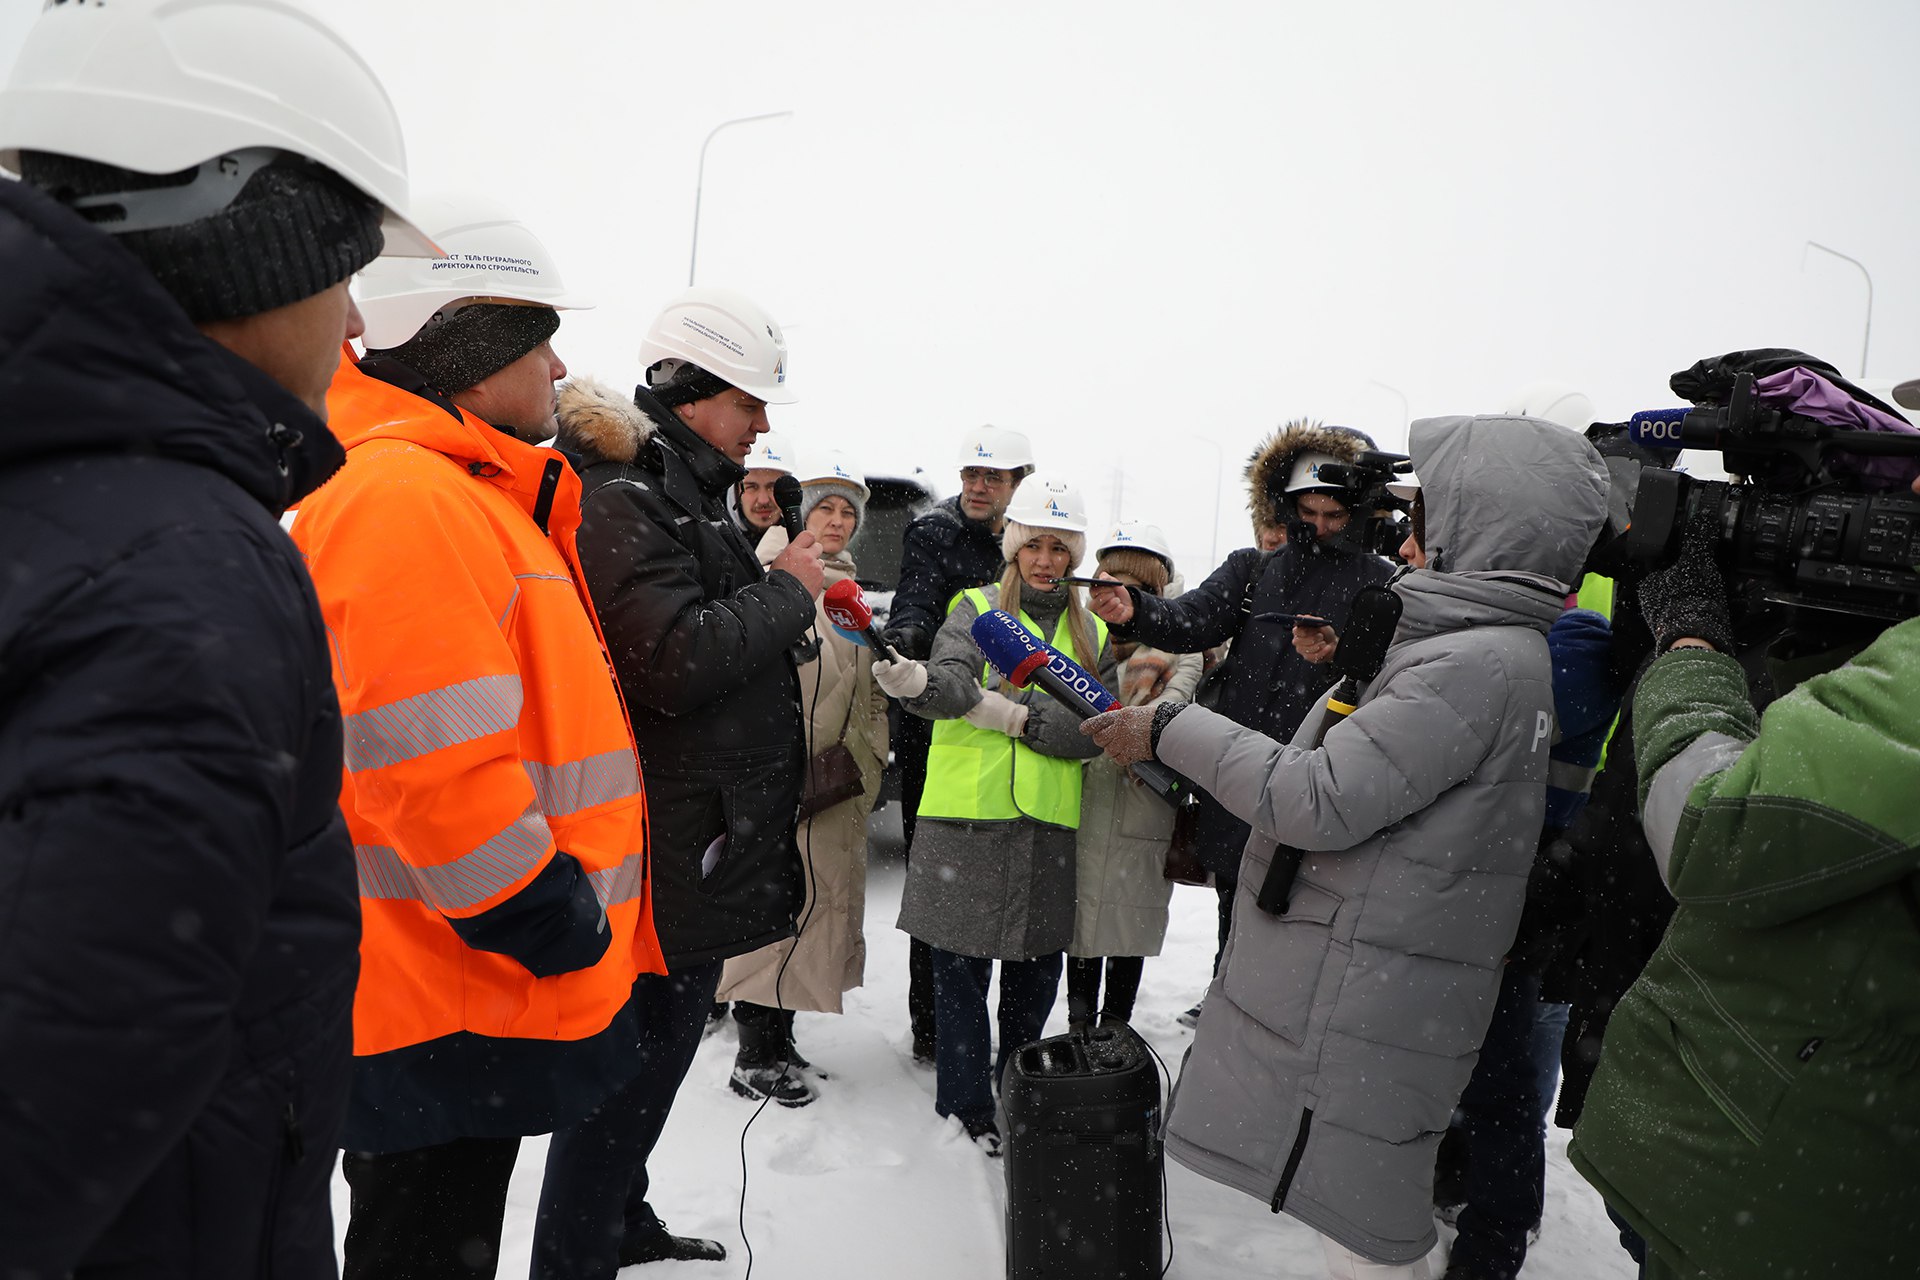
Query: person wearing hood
{"points": [[178, 922], [846, 721], [705, 643], [1337, 1038], [992, 877], [1275, 672], [1121, 848]]}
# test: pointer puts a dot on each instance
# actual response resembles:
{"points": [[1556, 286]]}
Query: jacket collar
{"points": [[1434, 603], [711, 469]]}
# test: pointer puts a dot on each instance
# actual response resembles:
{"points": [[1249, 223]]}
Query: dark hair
{"points": [[1417, 516]]}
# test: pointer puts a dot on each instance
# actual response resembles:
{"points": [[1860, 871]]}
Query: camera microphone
{"points": [[1659, 429], [787, 494], [852, 617], [1024, 659]]}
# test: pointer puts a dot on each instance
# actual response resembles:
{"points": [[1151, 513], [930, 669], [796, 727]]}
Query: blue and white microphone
{"points": [[1026, 660]]}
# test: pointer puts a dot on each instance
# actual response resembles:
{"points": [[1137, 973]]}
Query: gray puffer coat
{"points": [[1336, 1039], [1001, 889]]}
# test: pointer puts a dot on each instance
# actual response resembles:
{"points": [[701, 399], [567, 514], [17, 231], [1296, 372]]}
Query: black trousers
{"points": [[429, 1214], [595, 1193], [1123, 986], [910, 750]]}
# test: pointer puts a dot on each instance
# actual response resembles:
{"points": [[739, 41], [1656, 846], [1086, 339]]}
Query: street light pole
{"points": [[1866, 336], [700, 177], [1219, 465]]}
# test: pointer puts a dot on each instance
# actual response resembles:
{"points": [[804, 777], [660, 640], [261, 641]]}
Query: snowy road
{"points": [[869, 1182]]}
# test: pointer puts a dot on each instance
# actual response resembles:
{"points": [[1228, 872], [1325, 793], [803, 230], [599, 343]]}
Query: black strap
{"points": [[549, 485]]}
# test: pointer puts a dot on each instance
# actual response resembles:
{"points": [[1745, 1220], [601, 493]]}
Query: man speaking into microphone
{"points": [[992, 872]]}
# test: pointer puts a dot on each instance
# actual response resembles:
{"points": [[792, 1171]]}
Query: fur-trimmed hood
{"points": [[597, 421], [1271, 462]]}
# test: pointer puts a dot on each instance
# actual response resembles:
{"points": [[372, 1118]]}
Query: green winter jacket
{"points": [[1756, 1112]]}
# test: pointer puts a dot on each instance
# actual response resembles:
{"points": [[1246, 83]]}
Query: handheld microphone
{"points": [[1024, 659], [852, 617], [786, 492]]}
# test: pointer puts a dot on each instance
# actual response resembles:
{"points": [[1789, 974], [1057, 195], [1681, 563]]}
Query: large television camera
{"points": [[1380, 513], [1787, 524]]}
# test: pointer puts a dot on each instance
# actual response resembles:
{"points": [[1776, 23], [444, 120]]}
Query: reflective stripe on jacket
{"points": [[983, 774], [484, 732]]}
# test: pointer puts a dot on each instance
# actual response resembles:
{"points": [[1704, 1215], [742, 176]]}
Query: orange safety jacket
{"points": [[484, 731]]}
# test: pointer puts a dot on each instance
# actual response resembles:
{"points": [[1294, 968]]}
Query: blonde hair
{"points": [[1079, 624]]}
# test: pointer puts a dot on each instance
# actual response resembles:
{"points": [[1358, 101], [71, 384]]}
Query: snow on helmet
{"points": [[1138, 536], [1048, 502], [771, 452], [1554, 402], [997, 447], [830, 466], [490, 254], [158, 86], [728, 335]]}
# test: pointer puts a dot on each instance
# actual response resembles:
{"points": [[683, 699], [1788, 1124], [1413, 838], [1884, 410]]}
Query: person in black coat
{"points": [[179, 922], [950, 548], [706, 646], [1275, 672]]}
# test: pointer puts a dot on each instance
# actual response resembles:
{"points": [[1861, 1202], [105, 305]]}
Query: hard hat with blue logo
{"points": [[829, 467], [1137, 535], [1049, 502], [771, 452], [997, 447], [726, 334]]}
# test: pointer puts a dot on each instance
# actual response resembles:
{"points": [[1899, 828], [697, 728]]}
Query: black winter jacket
{"points": [[179, 925], [942, 553], [703, 642], [1266, 684]]}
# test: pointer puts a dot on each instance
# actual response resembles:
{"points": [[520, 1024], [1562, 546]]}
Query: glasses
{"points": [[988, 476]]}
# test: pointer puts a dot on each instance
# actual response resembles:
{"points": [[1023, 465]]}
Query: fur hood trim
{"points": [[595, 419], [1271, 462]]}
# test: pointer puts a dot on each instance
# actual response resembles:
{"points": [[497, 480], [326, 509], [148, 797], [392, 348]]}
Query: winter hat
{"points": [[292, 230], [1149, 569], [469, 342], [814, 492], [1017, 535], [677, 382]]}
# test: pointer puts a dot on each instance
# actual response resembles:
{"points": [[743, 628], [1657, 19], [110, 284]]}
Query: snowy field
{"points": [[868, 1181]]}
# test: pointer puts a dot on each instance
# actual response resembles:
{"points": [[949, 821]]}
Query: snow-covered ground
{"points": [[869, 1182]]}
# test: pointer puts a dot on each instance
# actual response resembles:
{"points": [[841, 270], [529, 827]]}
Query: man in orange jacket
{"points": [[492, 789]]}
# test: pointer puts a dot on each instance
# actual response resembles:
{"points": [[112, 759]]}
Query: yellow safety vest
{"points": [[1596, 593], [980, 775]]}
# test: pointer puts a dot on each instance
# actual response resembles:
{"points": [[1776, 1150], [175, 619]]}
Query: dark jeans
{"points": [[595, 1194], [428, 1214], [910, 752], [967, 1068], [1549, 1032], [1506, 1162], [1122, 980]]}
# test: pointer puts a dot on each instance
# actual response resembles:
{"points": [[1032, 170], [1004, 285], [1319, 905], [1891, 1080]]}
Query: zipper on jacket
{"points": [[549, 485], [1293, 1159]]}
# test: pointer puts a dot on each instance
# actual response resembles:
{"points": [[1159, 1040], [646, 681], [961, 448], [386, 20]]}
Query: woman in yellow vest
{"points": [[992, 872]]}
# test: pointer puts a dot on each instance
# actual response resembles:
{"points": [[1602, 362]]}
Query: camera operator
{"points": [[1274, 673], [1756, 1111]]}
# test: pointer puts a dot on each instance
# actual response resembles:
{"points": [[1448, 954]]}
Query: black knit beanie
{"points": [[676, 382], [453, 351], [293, 230]]}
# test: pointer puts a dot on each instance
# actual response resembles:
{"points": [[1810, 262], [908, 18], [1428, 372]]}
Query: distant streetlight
{"points": [[700, 176], [1219, 466], [1405, 410], [1866, 335]]}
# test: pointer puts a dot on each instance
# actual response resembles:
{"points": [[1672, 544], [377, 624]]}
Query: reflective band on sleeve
{"points": [[1569, 776], [465, 882], [1706, 755], [429, 721], [622, 883], [582, 784]]}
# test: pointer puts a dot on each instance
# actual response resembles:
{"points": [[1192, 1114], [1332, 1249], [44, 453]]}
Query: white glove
{"points": [[899, 677], [999, 713], [772, 543]]}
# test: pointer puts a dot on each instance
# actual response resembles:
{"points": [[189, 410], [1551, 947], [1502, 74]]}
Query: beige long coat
{"points": [[830, 955]]}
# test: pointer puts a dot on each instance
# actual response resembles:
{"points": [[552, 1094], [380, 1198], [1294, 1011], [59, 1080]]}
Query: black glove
{"points": [[1689, 597], [909, 641]]}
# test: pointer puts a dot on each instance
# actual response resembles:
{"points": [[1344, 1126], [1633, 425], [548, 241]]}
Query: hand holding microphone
{"points": [[852, 617]]}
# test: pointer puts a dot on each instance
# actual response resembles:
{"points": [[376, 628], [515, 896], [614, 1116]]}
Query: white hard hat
{"points": [[1048, 502], [490, 254], [996, 447], [1404, 485], [1306, 471], [830, 466], [1139, 537], [158, 86], [728, 335], [1554, 402], [771, 452]]}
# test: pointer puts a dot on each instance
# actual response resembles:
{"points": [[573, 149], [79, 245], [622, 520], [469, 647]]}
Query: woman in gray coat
{"points": [[1338, 1037], [992, 872]]}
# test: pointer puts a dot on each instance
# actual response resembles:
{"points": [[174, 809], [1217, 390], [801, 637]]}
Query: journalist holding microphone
{"points": [[992, 874], [1340, 1031]]}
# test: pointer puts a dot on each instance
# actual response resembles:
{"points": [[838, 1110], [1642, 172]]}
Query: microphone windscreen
{"points": [[1003, 641], [786, 493], [1657, 428], [847, 606]]}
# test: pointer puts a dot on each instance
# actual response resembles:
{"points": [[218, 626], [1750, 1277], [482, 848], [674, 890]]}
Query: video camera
{"points": [[1382, 515], [1786, 524]]}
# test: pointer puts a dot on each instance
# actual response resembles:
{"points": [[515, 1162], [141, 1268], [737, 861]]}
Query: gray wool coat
{"points": [[1336, 1039], [1002, 890]]}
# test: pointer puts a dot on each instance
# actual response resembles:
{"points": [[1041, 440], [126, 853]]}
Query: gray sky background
{"points": [[1147, 233]]}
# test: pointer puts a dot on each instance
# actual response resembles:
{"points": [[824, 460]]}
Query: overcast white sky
{"points": [[1147, 233]]}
